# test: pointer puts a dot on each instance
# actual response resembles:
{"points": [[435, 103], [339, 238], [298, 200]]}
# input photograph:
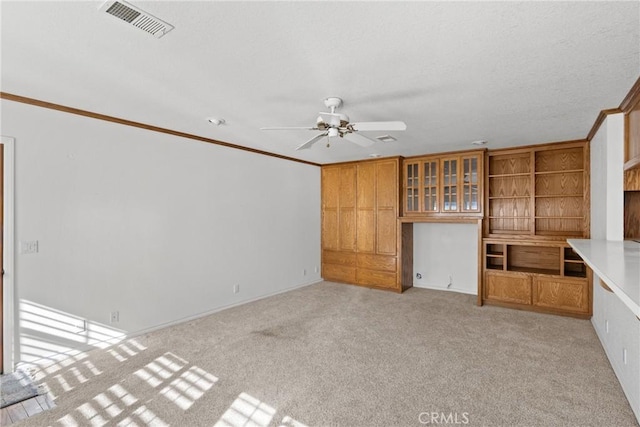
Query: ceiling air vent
{"points": [[137, 17]]}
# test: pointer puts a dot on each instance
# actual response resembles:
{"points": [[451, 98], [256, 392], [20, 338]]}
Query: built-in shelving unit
{"points": [[537, 197], [538, 192]]}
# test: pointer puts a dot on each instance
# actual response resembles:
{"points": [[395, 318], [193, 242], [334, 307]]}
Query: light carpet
{"points": [[339, 355]]}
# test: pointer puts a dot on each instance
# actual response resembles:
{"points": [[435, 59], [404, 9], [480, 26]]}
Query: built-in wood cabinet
{"points": [[537, 197], [632, 137], [361, 234], [540, 192], [540, 276], [444, 185]]}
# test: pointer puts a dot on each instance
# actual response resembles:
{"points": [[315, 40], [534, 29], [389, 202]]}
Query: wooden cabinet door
{"points": [[386, 207], [470, 187], [347, 209], [429, 202], [366, 208], [507, 287], [562, 294], [411, 187], [330, 208], [450, 184]]}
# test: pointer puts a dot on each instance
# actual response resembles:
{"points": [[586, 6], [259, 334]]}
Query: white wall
{"points": [[441, 251], [156, 227]]}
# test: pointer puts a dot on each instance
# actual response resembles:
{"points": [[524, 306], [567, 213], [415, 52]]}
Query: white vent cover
{"points": [[136, 17]]}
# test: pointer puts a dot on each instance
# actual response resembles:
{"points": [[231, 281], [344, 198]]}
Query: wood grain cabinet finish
{"points": [[632, 139], [507, 288], [361, 234], [446, 185], [538, 192], [561, 294], [547, 277]]}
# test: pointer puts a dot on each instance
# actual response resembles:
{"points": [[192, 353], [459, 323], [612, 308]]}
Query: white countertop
{"points": [[617, 264]]}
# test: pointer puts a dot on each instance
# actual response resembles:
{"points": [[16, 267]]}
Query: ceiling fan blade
{"points": [[312, 141], [358, 139], [288, 128], [379, 126]]}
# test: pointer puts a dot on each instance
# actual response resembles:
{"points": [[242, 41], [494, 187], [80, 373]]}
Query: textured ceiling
{"points": [[511, 73]]}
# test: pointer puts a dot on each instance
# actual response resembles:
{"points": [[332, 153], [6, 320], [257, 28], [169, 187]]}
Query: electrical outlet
{"points": [[606, 326], [624, 356], [316, 269], [115, 317], [236, 288], [29, 247]]}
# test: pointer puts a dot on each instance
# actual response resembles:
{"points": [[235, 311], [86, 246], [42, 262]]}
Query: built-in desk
{"points": [[616, 307], [617, 264]]}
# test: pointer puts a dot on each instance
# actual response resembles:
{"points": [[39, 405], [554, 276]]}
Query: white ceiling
{"points": [[511, 73]]}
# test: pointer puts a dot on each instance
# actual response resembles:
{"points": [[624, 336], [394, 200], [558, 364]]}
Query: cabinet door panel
{"points": [[339, 273], [377, 262], [347, 229], [508, 288], [366, 231], [386, 239], [387, 185], [330, 232], [568, 295], [338, 257], [366, 186], [347, 190], [450, 185], [376, 278], [330, 187]]}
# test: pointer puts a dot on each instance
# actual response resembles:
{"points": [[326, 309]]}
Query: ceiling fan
{"points": [[334, 125]]}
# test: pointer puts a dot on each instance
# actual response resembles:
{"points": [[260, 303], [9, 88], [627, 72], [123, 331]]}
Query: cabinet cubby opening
{"points": [[533, 259]]}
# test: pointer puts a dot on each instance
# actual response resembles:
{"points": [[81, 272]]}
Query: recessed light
{"points": [[375, 155], [216, 121], [479, 142], [386, 138]]}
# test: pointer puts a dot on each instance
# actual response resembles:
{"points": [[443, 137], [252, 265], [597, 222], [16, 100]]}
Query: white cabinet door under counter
{"points": [[616, 307]]}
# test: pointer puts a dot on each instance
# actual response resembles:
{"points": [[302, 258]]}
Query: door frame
{"points": [[8, 246]]}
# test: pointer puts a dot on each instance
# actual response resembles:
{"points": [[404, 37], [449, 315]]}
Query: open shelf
{"points": [[552, 259], [542, 192]]}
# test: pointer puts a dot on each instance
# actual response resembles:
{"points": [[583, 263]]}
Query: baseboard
{"points": [[444, 288], [130, 335]]}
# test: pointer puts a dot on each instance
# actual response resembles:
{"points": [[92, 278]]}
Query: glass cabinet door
{"points": [[430, 186], [470, 197], [450, 185], [412, 202]]}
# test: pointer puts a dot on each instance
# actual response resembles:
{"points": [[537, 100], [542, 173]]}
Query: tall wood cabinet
{"points": [[536, 198], [361, 234]]}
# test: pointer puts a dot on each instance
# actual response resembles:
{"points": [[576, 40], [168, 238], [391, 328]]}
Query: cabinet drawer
{"points": [[339, 273], [376, 262], [376, 278], [566, 295], [338, 257], [513, 288]]}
